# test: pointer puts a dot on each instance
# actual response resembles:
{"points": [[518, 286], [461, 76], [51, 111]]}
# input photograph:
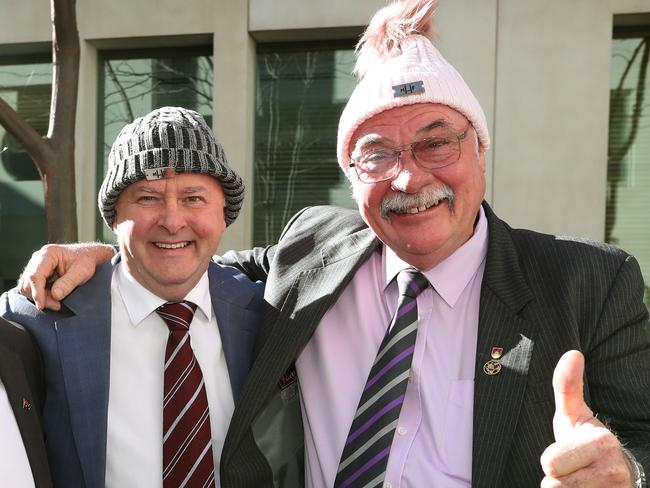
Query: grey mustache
{"points": [[427, 197]]}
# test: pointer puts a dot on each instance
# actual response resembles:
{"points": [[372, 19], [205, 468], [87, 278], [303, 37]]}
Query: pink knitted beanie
{"points": [[398, 65]]}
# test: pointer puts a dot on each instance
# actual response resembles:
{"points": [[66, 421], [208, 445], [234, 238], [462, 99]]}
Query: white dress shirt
{"points": [[14, 465], [135, 416]]}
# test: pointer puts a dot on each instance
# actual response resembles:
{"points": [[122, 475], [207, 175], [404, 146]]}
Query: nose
{"points": [[411, 177], [172, 218]]}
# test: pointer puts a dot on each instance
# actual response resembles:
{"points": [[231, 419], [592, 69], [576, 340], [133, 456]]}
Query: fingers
{"points": [[74, 263], [593, 459], [588, 478], [570, 407], [584, 448], [51, 303], [78, 273], [33, 280], [585, 453], [29, 286]]}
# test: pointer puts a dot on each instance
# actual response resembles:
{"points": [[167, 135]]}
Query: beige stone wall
{"points": [[551, 112], [539, 68]]}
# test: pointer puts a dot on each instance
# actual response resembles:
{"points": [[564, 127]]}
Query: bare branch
{"points": [[25, 135], [65, 71], [629, 65], [120, 89], [640, 95], [617, 154]]}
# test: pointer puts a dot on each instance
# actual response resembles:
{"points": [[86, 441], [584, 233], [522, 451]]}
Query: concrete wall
{"points": [[539, 68], [552, 109]]}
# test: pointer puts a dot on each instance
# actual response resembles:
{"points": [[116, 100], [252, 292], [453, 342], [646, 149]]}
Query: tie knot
{"points": [[177, 315], [411, 283]]}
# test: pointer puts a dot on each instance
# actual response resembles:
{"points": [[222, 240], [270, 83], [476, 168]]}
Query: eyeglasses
{"points": [[437, 151]]}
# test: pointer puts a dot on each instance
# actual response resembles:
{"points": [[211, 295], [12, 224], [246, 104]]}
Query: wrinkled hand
{"points": [[65, 266], [585, 453]]}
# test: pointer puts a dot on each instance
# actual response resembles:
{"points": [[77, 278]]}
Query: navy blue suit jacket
{"points": [[75, 344]]}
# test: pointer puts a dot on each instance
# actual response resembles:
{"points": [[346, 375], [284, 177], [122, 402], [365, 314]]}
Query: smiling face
{"points": [[415, 213], [169, 229]]}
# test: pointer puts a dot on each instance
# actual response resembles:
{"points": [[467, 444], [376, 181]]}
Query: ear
{"points": [[481, 158], [355, 184]]}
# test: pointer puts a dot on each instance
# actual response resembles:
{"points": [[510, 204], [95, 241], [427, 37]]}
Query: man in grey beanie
{"points": [[135, 397]]}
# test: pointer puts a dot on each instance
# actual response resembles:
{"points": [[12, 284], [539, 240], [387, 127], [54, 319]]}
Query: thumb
{"points": [[570, 406]]}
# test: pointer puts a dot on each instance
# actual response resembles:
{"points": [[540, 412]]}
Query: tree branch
{"points": [[25, 135], [65, 71], [629, 65], [120, 89], [638, 105]]}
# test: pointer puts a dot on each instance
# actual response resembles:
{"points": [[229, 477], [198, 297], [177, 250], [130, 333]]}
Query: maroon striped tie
{"points": [[187, 440]]}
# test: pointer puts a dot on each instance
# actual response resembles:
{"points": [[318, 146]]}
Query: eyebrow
{"points": [[376, 140], [371, 141], [436, 124], [186, 190], [194, 189], [147, 189]]}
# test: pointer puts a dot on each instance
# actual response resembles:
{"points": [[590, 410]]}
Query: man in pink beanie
{"points": [[434, 345]]}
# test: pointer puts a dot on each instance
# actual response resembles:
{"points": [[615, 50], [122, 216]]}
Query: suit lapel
{"points": [[309, 296], [498, 397], [84, 347], [237, 324], [12, 372]]}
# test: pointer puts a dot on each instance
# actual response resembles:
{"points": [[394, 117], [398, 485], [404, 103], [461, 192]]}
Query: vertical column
{"points": [[234, 102], [86, 141], [466, 35]]}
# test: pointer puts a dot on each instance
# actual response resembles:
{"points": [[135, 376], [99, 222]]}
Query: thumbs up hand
{"points": [[585, 453]]}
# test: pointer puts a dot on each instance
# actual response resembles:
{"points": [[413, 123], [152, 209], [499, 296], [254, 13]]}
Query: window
{"points": [[133, 83], [628, 167], [301, 91], [26, 86]]}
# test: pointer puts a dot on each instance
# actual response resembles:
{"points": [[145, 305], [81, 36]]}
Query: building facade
{"points": [[274, 74]]}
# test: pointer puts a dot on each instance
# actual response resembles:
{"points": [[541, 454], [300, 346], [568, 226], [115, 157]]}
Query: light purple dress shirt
{"points": [[433, 440]]}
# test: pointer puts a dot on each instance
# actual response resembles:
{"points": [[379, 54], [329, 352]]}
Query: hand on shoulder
{"points": [[56, 269]]}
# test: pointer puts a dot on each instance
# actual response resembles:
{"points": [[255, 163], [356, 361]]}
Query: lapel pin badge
{"points": [[493, 366], [288, 385], [27, 404]]}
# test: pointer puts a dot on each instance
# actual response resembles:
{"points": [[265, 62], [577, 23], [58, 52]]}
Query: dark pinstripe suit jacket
{"points": [[21, 371], [541, 296]]}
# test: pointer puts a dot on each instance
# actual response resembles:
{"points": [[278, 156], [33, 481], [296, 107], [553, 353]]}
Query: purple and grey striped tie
{"points": [[365, 455]]}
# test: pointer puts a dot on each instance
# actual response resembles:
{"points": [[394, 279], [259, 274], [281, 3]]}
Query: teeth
{"points": [[165, 245], [398, 205], [415, 210]]}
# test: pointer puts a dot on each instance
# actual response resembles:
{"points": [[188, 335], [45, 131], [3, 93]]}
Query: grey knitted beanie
{"points": [[167, 137]]}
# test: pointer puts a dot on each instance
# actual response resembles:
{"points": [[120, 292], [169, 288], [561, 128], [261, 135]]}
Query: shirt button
{"points": [[388, 485], [402, 430]]}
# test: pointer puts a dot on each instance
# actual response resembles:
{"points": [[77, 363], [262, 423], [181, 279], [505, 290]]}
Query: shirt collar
{"points": [[140, 302], [451, 275]]}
